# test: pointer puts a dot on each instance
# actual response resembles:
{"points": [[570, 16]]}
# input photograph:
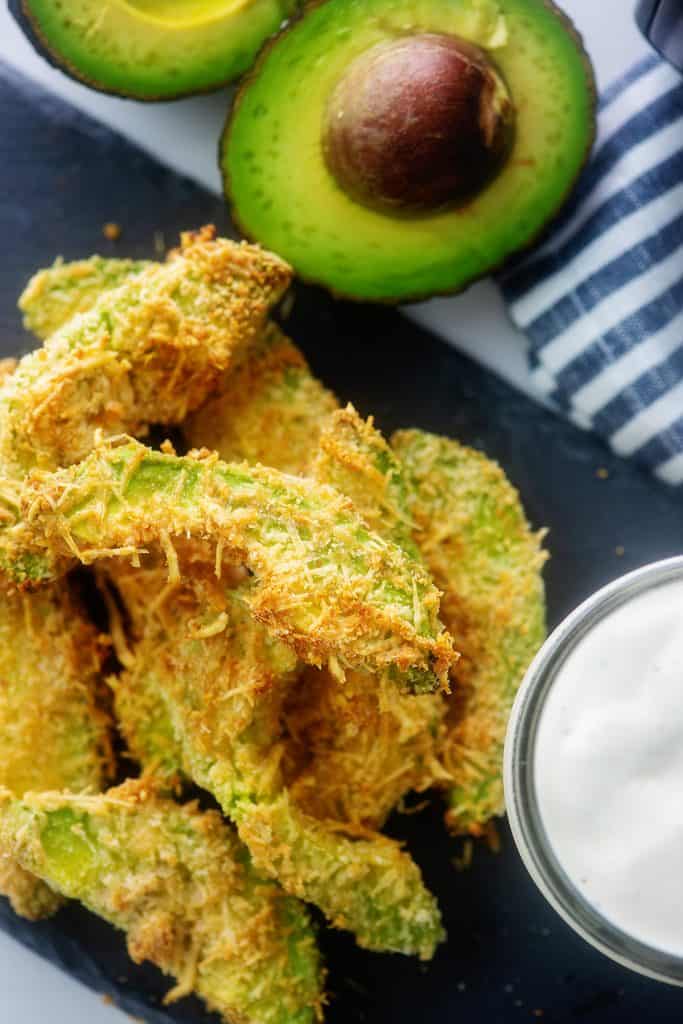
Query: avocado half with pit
{"points": [[150, 49], [396, 149]]}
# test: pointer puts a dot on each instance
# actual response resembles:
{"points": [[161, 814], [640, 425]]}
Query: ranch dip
{"points": [[594, 770], [608, 766]]}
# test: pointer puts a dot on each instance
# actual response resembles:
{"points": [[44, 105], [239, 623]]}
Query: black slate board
{"points": [[509, 957]]}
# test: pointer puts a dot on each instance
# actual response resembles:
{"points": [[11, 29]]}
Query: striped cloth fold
{"points": [[601, 301]]}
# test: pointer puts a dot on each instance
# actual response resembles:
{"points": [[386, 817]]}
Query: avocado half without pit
{"points": [[150, 49], [396, 149]]}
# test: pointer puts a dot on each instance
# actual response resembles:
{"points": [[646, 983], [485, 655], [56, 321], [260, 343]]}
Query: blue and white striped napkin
{"points": [[601, 301]]}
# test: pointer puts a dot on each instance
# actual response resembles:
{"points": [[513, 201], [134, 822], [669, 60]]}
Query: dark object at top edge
{"points": [[661, 22]]}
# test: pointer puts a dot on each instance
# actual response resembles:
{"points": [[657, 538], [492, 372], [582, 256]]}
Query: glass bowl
{"points": [[521, 797]]}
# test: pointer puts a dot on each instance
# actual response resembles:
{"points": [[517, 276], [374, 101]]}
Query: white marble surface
{"points": [[184, 135]]}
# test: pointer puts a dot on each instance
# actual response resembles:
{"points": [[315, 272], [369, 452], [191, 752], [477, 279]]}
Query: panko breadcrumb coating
{"points": [[149, 351], [475, 538], [220, 681], [280, 997], [355, 750], [270, 409], [55, 295], [352, 752], [7, 368], [221, 579], [354, 457], [337, 593], [52, 733], [179, 884]]}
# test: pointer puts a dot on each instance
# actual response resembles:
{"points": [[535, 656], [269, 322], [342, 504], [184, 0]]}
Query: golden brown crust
{"points": [[148, 351], [270, 409], [178, 882], [53, 732], [487, 561], [354, 749], [56, 294], [7, 368], [29, 897], [352, 753]]}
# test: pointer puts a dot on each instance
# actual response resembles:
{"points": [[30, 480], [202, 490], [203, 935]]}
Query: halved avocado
{"points": [[395, 149], [150, 49]]}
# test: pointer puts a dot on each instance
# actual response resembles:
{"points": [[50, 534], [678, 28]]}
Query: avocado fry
{"points": [[354, 457], [160, 624], [55, 295], [155, 731], [53, 735], [355, 750], [475, 538], [146, 352], [182, 887], [326, 585], [203, 696], [98, 371], [270, 409], [131, 596]]}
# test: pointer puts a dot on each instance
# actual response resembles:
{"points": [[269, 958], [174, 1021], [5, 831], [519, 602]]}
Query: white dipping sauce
{"points": [[608, 766]]}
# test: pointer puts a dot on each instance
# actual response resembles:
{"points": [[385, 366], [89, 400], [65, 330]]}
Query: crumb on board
{"points": [[537, 1013], [111, 230], [159, 243], [463, 860], [602, 473], [287, 305], [492, 837], [619, 551], [107, 999]]}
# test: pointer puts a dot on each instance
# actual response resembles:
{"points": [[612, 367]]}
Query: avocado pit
{"points": [[418, 123]]}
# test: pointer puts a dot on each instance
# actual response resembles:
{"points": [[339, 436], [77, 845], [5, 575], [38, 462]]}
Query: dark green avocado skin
{"points": [[418, 296], [18, 12]]}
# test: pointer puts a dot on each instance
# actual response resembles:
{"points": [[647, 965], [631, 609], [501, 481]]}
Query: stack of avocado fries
{"points": [[309, 622]]}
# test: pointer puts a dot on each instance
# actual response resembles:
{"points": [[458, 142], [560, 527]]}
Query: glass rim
{"points": [[531, 838]]}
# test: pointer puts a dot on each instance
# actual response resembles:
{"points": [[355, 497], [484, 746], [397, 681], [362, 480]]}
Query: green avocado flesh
{"points": [[283, 195], [154, 49]]}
